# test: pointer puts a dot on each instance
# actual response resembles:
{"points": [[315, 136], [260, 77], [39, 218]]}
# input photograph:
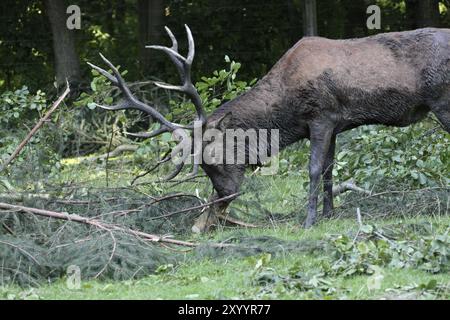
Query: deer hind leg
{"points": [[320, 136], [328, 179]]}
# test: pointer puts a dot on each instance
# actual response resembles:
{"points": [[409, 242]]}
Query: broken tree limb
{"points": [[21, 197], [349, 186], [117, 151], [36, 128], [93, 222], [237, 222], [103, 225]]}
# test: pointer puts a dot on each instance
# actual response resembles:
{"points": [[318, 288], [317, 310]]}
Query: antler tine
{"points": [[104, 73], [183, 65], [184, 68], [123, 104], [120, 82], [172, 175], [194, 170], [191, 53], [171, 52], [175, 60], [152, 134], [130, 102], [172, 37]]}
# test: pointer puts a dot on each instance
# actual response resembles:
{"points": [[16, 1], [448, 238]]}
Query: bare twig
{"points": [[120, 149], [8, 229], [358, 217], [36, 128], [237, 222], [140, 208], [231, 196], [349, 186], [29, 255], [111, 256]]}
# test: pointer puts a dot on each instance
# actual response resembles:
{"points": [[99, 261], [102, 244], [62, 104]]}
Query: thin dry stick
{"points": [[29, 255], [349, 186], [114, 153], [237, 222], [231, 196], [223, 217], [36, 128], [140, 208], [111, 256], [8, 229]]}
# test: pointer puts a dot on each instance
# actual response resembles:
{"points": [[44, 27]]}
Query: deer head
{"points": [[225, 178]]}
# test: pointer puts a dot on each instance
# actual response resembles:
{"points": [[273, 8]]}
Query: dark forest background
{"points": [[36, 48]]}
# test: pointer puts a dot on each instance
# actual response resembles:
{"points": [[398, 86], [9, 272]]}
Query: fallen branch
{"points": [[21, 197], [117, 151], [36, 128], [237, 222], [349, 186], [93, 222], [231, 196], [103, 225]]}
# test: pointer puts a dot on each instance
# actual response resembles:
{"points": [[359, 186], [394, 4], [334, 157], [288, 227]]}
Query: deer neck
{"points": [[263, 107]]}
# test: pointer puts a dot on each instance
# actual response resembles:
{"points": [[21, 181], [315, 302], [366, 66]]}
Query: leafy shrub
{"points": [[415, 156], [19, 112], [350, 257], [20, 105]]}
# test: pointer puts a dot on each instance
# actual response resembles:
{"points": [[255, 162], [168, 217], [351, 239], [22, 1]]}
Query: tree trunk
{"points": [[67, 65], [310, 18], [151, 26], [422, 13]]}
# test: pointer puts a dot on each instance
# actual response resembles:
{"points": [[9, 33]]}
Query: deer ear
{"points": [[223, 122]]}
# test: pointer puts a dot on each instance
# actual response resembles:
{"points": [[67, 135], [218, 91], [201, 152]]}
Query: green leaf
{"points": [[368, 229], [363, 248], [166, 137]]}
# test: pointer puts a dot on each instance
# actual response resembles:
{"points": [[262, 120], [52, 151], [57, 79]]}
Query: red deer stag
{"points": [[318, 89]]}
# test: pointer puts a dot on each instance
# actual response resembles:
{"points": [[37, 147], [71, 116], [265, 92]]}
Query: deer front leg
{"points": [[320, 137], [328, 179]]}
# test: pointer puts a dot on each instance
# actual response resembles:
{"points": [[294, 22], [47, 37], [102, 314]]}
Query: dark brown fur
{"points": [[322, 87]]}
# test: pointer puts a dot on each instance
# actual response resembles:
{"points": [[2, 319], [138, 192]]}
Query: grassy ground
{"points": [[259, 276], [233, 278]]}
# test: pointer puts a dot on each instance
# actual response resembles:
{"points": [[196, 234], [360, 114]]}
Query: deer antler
{"points": [[184, 69], [129, 101]]}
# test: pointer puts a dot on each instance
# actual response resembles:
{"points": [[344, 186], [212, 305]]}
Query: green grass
{"points": [[231, 278], [234, 277]]}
